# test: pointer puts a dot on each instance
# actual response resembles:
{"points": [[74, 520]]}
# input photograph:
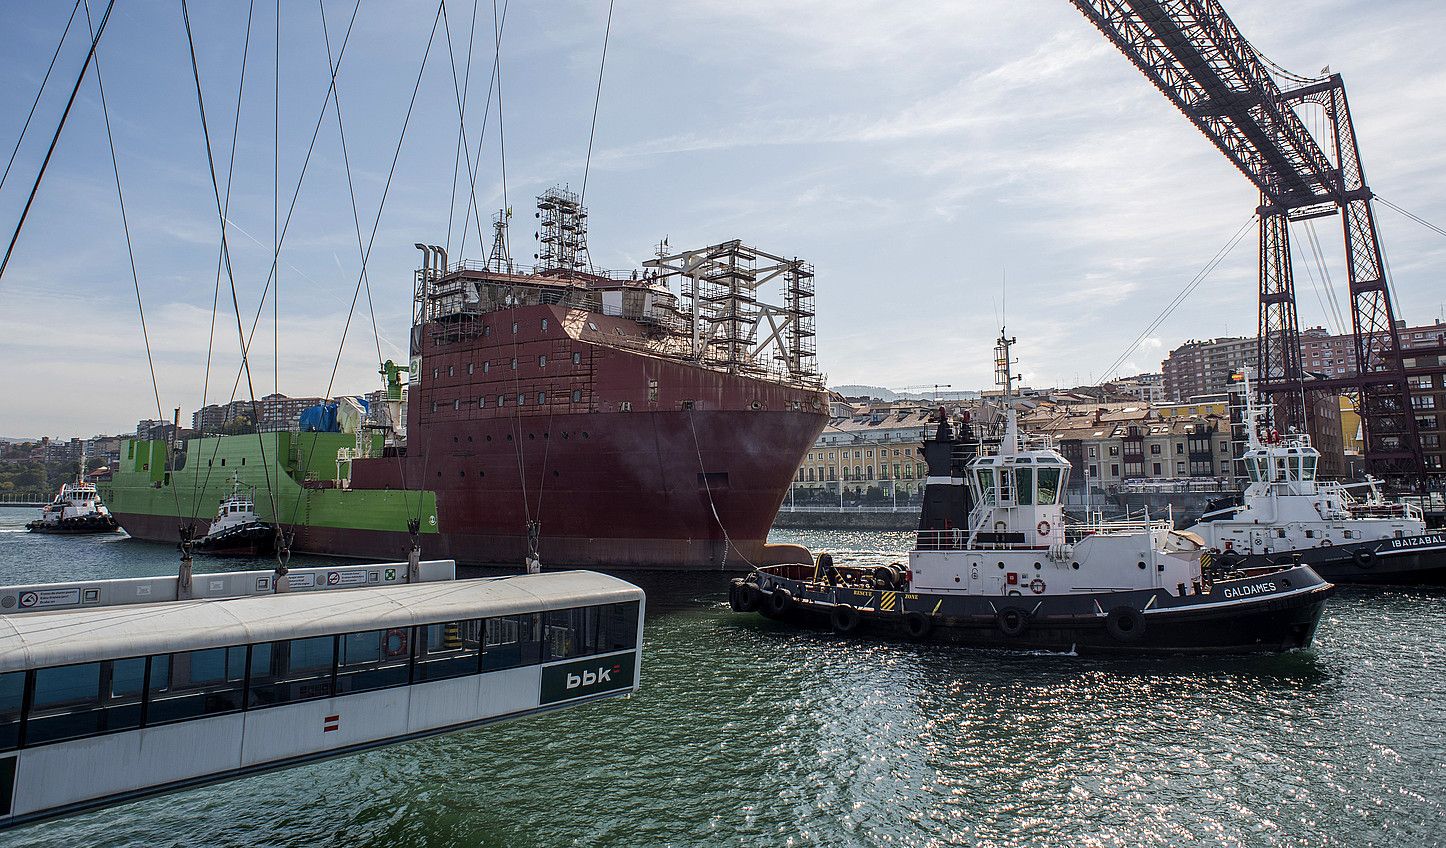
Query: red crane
{"points": [[1192, 52]]}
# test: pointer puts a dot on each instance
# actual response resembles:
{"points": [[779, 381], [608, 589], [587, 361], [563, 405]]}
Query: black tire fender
{"points": [[917, 625], [844, 618], [1012, 621], [780, 601], [1125, 624], [1364, 558]]}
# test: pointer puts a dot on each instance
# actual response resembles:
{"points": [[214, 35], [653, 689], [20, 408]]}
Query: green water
{"points": [[748, 733]]}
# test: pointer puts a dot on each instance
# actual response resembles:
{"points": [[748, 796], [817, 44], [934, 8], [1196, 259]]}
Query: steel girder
{"points": [[1192, 52]]}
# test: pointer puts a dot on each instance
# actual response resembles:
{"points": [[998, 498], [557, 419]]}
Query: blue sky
{"points": [[919, 154]]}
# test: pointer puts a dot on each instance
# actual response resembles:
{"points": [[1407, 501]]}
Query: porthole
{"points": [[1074, 565], [1036, 566], [1001, 566], [1141, 565]]}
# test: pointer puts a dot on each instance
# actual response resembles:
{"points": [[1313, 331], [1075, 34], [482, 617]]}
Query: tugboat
{"points": [[1287, 515], [76, 510], [995, 566], [236, 531]]}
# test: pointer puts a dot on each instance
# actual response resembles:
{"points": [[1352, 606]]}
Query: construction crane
{"points": [[936, 387], [1192, 52]]}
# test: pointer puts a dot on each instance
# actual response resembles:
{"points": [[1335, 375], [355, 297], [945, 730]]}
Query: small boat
{"points": [[236, 531], [994, 565], [1349, 533], [76, 510]]}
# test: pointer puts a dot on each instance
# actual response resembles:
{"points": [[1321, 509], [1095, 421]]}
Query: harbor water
{"points": [[750, 733]]}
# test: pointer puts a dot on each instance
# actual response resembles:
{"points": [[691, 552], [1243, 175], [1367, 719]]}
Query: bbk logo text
{"points": [[592, 678]]}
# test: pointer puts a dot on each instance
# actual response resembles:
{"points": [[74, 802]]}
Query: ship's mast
{"points": [[500, 259], [1004, 376]]}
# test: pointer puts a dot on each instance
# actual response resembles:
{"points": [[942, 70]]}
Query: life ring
{"points": [[1043, 528], [1037, 586], [1326, 543], [844, 618], [1126, 624], [1274, 436], [1364, 558], [1012, 621], [1000, 525], [779, 601], [394, 644], [917, 625]]}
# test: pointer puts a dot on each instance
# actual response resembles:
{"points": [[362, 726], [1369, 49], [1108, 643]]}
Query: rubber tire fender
{"points": [[844, 618], [780, 601], [752, 597], [1012, 621], [1125, 624], [1364, 558], [917, 625]]}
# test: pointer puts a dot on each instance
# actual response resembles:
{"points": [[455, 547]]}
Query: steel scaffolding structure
{"points": [[728, 324]]}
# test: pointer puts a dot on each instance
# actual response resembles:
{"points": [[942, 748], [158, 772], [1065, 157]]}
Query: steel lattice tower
{"points": [[1192, 52]]}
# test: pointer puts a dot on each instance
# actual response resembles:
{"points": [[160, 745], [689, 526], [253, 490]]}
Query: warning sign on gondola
{"points": [[43, 598], [346, 578]]}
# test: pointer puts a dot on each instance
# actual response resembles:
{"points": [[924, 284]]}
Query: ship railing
{"points": [[957, 539], [519, 269], [1096, 525]]}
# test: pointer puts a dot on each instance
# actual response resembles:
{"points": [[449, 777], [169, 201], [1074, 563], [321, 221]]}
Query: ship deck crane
{"points": [[1192, 52]]}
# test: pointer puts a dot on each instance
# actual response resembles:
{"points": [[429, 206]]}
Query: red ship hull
{"points": [[616, 456]]}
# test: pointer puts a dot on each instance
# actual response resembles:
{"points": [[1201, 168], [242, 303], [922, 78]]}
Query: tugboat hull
{"points": [[1266, 613], [246, 540], [77, 526], [1410, 561]]}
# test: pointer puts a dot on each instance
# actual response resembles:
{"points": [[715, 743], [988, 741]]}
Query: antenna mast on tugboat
{"points": [[1004, 376]]}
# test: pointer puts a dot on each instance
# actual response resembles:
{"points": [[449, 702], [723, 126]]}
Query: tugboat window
{"points": [[1024, 485], [986, 485], [1049, 485]]}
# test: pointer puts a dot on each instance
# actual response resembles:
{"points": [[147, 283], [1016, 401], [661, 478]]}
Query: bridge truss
{"points": [[1195, 56]]}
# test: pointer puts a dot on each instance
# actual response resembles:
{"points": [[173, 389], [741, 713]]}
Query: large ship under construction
{"points": [[644, 419]]}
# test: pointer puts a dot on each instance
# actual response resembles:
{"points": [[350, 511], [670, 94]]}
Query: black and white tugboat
{"points": [[994, 565], [1286, 515], [236, 530], [76, 510]]}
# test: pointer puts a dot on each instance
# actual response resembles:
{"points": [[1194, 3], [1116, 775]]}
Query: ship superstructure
{"points": [[650, 418]]}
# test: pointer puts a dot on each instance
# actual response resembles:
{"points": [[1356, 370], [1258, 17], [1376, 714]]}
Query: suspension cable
{"points": [[45, 79], [462, 146], [460, 92], [1180, 297], [597, 98], [55, 139], [498, 28], [225, 250], [1414, 217], [356, 224], [376, 223], [130, 250], [199, 484]]}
